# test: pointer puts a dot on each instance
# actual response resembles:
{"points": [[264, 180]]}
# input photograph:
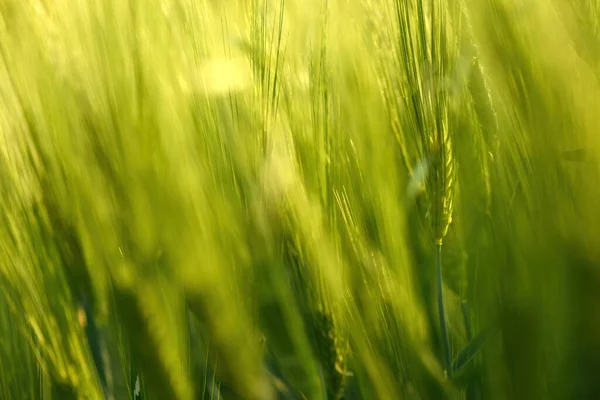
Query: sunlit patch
{"points": [[137, 389], [222, 75], [81, 317], [416, 184]]}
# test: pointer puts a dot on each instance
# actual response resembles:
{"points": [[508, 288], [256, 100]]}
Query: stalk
{"points": [[442, 314]]}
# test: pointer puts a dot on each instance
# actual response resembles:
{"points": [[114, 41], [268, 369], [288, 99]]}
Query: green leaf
{"points": [[471, 350]]}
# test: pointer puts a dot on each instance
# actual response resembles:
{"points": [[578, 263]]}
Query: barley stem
{"points": [[465, 313], [442, 313]]}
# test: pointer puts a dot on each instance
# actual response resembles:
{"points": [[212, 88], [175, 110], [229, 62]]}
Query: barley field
{"points": [[299, 199]]}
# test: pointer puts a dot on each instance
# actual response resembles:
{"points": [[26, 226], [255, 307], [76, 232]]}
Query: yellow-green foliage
{"points": [[245, 198]]}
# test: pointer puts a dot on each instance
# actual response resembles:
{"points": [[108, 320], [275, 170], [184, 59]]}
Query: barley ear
{"points": [[442, 184], [331, 349]]}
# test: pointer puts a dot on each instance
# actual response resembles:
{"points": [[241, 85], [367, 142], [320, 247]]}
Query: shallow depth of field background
{"points": [[254, 199]]}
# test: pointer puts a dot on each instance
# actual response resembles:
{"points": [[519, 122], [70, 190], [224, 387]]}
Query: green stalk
{"points": [[442, 314], [472, 393], [465, 313]]}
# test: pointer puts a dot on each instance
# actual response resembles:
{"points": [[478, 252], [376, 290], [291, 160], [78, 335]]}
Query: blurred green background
{"points": [[299, 199]]}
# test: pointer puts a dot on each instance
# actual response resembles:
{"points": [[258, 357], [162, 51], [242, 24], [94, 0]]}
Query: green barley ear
{"points": [[154, 354], [331, 349], [441, 184]]}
